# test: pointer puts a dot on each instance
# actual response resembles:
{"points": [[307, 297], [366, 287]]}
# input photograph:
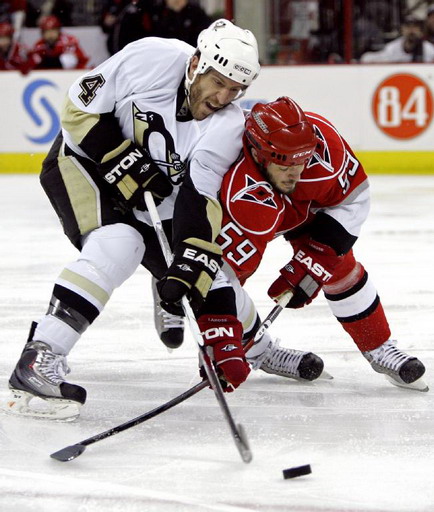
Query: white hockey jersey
{"points": [[142, 86]]}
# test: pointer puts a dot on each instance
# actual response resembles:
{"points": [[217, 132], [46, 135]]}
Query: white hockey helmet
{"points": [[230, 50]]}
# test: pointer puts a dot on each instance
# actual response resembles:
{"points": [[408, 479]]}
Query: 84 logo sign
{"points": [[402, 106]]}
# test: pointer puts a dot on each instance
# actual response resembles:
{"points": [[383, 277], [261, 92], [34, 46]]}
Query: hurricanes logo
{"points": [[256, 192], [150, 125], [322, 153]]}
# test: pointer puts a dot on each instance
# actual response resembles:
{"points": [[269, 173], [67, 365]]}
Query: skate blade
{"points": [[417, 385], [325, 376], [59, 409]]}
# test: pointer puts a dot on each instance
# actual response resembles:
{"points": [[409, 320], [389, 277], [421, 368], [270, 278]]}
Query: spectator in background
{"points": [[410, 47], [13, 12], [429, 24], [56, 50], [325, 42], [179, 19], [367, 32], [125, 21], [36, 9], [13, 55]]}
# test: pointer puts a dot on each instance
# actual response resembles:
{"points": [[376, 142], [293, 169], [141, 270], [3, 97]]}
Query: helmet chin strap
{"points": [[189, 82]]}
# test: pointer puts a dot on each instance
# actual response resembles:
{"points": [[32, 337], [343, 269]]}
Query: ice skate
{"points": [[170, 328], [40, 374], [398, 367], [293, 364]]}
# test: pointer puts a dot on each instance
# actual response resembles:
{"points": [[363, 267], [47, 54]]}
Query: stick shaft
{"points": [[146, 416], [237, 433]]}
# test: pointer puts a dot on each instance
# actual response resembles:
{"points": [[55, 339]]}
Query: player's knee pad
{"points": [[351, 295], [112, 254], [345, 275]]}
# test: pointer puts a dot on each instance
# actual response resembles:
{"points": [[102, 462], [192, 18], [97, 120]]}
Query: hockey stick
{"points": [[237, 431], [71, 452]]}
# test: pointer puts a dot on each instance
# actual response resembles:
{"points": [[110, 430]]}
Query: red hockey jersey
{"points": [[333, 182], [16, 59], [45, 56]]}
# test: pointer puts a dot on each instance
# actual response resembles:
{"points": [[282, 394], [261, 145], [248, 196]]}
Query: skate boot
{"points": [[290, 363], [398, 367], [170, 328], [40, 373]]}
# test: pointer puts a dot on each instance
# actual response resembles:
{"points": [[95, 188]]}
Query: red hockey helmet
{"points": [[49, 22], [280, 133], [6, 30]]}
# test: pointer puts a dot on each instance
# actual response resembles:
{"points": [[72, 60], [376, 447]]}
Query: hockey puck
{"points": [[297, 471]]}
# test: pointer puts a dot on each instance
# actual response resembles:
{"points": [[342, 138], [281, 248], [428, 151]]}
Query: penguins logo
{"points": [[256, 192], [147, 125]]}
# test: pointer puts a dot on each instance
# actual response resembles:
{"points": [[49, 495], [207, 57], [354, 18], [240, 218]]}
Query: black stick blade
{"points": [[69, 453], [243, 445]]}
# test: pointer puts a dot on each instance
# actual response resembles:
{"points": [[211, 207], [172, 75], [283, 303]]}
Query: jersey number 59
{"points": [[243, 250], [350, 168]]}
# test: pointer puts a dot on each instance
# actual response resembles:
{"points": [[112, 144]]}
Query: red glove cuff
{"points": [[310, 268], [219, 331], [315, 259]]}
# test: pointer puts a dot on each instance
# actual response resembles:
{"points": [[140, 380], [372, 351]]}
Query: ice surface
{"points": [[370, 444]]}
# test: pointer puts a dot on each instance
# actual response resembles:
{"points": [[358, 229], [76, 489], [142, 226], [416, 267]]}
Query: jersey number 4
{"points": [[89, 85]]}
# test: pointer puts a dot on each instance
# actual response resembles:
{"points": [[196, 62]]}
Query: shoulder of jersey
{"points": [[159, 63], [229, 121], [329, 158], [250, 200]]}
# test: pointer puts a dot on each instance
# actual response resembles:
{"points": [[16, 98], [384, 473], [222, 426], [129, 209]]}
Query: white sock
{"points": [[59, 335]]}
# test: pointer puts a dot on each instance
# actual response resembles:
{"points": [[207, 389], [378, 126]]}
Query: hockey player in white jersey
{"points": [[153, 117]]}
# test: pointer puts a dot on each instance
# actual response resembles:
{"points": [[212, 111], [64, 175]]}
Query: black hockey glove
{"points": [[195, 265], [131, 171]]}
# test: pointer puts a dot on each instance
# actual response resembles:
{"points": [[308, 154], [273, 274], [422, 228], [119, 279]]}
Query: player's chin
{"points": [[199, 115], [287, 188], [201, 111]]}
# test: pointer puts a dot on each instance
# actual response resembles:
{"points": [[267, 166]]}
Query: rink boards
{"points": [[384, 111]]}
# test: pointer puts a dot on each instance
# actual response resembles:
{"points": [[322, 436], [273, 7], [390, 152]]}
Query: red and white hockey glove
{"points": [[310, 268], [222, 335]]}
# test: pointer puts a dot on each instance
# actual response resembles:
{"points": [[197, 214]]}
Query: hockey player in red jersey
{"points": [[56, 50], [298, 177], [13, 55]]}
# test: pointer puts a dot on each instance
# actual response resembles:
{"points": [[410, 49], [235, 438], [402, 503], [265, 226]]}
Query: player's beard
{"points": [[198, 102], [288, 189]]}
